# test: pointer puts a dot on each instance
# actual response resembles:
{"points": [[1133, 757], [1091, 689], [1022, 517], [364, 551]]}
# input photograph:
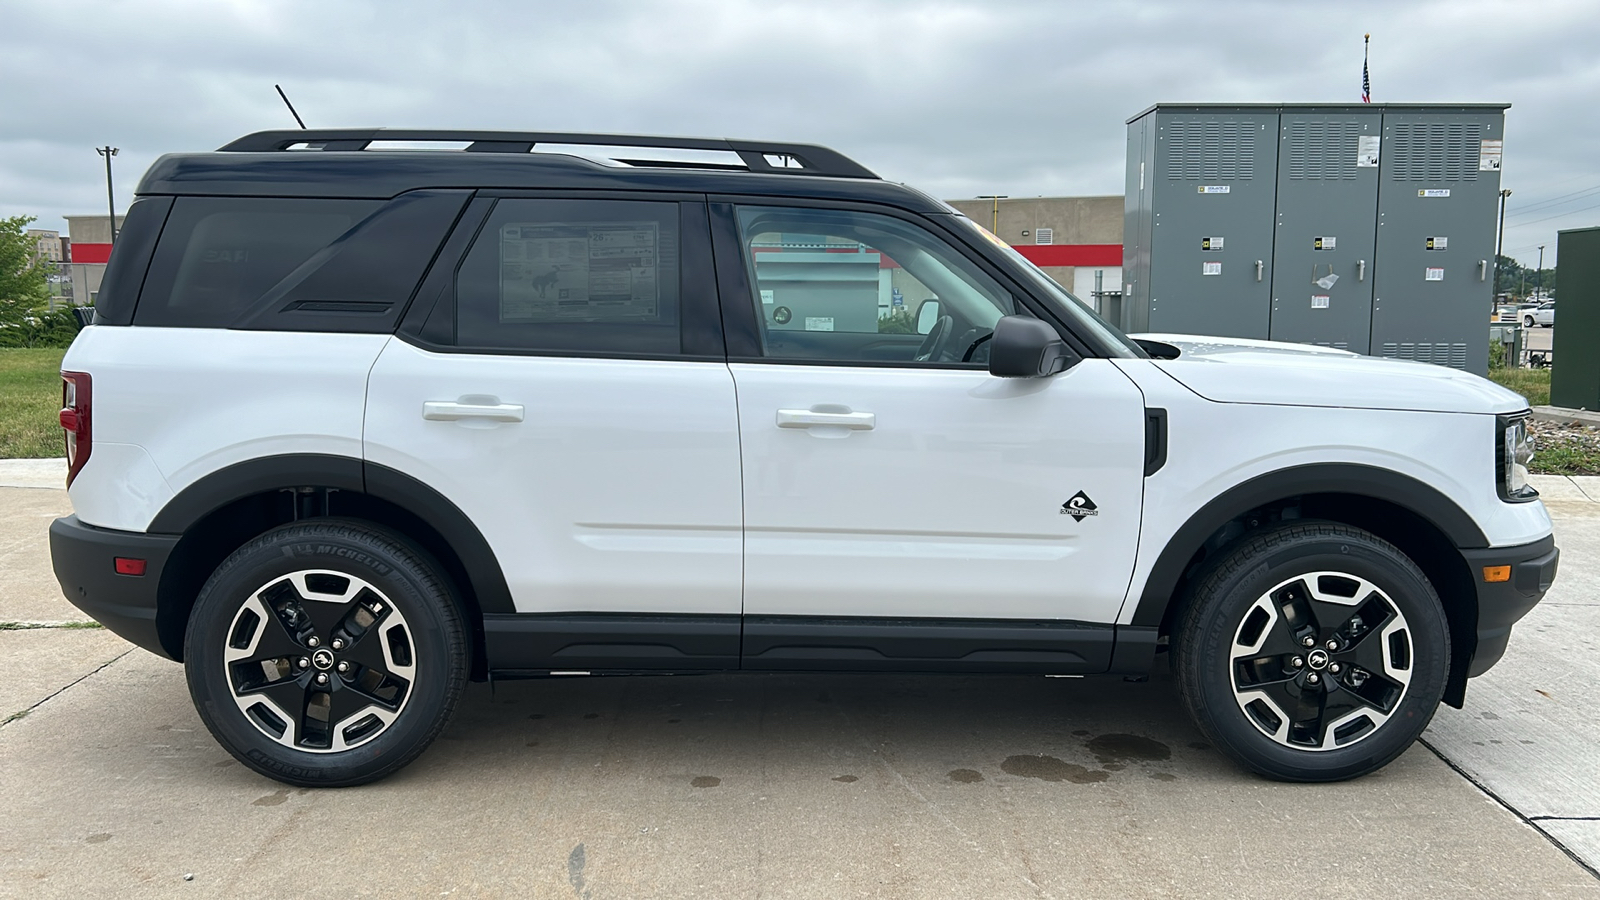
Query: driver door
{"points": [[887, 475]]}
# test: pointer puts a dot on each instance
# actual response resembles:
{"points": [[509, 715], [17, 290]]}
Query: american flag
{"points": [[1366, 82]]}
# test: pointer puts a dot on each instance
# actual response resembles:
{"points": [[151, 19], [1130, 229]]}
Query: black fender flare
{"points": [[1385, 485], [269, 473]]}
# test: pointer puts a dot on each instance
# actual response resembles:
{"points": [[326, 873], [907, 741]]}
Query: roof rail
{"points": [[758, 156]]}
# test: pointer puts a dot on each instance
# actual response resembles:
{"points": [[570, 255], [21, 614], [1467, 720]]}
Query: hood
{"points": [[1236, 370]]}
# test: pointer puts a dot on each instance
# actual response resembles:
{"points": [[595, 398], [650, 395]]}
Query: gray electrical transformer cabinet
{"points": [[1366, 227]]}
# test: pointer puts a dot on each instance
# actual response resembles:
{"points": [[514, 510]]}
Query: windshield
{"points": [[1079, 314]]}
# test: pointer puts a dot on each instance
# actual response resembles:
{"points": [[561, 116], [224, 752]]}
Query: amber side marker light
{"points": [[1494, 574]]}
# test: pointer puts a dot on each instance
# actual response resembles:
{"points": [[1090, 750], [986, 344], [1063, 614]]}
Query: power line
{"points": [[1559, 215], [1554, 201]]}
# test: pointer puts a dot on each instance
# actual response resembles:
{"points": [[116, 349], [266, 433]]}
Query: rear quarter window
{"points": [[217, 256]]}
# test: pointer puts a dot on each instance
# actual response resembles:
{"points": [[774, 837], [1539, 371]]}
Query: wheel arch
{"points": [[221, 511], [1419, 520]]}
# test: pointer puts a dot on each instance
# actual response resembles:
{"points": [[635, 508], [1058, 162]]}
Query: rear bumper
{"points": [[1501, 604], [84, 560]]}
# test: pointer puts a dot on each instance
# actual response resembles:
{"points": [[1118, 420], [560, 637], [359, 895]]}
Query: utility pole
{"points": [[109, 151], [994, 221], [1500, 238], [1541, 270]]}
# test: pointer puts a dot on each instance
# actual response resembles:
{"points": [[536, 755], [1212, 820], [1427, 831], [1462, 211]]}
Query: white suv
{"points": [[354, 426]]}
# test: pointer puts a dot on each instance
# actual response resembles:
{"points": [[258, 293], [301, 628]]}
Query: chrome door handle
{"points": [[1261, 266], [811, 418], [1361, 270], [452, 410]]}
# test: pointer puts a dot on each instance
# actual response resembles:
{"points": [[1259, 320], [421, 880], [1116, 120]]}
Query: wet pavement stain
{"points": [[846, 779], [275, 798], [1048, 768], [575, 863], [98, 838], [705, 781], [966, 776], [1121, 747]]}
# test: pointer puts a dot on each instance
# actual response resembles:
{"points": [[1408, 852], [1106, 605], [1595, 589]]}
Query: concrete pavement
{"points": [[786, 786]]}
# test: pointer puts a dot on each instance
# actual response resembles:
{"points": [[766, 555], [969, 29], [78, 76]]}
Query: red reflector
{"points": [[69, 419], [129, 566]]}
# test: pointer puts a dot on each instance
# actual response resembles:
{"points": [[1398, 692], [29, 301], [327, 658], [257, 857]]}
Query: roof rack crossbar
{"points": [[758, 156]]}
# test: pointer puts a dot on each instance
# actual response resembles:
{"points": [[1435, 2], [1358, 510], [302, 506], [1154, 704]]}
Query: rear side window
{"points": [[217, 256], [573, 277]]}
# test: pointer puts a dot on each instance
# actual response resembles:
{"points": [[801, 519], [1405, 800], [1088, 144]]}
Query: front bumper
{"points": [[84, 559], [1501, 604]]}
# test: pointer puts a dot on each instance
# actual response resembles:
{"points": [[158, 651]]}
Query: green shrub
{"points": [[44, 329], [898, 321]]}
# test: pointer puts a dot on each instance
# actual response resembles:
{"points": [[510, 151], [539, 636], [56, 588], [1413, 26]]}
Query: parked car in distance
{"points": [[354, 427], [1505, 314], [1543, 315]]}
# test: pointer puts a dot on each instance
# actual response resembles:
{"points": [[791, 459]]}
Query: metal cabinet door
{"points": [[1436, 221], [1213, 180], [1326, 227]]}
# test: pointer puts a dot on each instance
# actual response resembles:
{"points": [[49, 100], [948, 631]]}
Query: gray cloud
{"points": [[959, 98]]}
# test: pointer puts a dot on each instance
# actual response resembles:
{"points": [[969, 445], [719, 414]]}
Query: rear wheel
{"points": [[326, 653], [1313, 652]]}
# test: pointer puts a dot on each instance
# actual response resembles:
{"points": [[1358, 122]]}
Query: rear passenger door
{"points": [[562, 381]]}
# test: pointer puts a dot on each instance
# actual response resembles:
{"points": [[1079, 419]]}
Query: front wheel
{"points": [[1312, 652], [1527, 321], [325, 653]]}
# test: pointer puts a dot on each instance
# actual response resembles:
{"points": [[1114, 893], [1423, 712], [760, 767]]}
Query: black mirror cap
{"points": [[1025, 347]]}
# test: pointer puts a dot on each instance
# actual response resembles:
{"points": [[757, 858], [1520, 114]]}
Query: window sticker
{"points": [[819, 323], [588, 272]]}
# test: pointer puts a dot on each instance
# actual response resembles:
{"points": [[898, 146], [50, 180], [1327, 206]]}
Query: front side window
{"points": [[845, 286], [572, 277]]}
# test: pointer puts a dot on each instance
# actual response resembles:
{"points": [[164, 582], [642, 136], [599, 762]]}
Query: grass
{"points": [[30, 399], [1531, 383]]}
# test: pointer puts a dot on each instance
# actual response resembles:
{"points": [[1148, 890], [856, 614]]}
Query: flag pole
{"points": [[1366, 80]]}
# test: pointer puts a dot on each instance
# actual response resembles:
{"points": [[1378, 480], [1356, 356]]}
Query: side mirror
{"points": [[927, 315], [1024, 347]]}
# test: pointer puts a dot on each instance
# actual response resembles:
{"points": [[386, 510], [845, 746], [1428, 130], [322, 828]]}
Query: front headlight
{"points": [[1513, 455]]}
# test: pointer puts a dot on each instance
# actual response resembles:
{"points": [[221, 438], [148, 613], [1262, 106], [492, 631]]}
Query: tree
{"points": [[24, 291]]}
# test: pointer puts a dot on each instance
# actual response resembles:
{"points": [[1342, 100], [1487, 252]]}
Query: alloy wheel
{"points": [[319, 661], [1321, 661]]}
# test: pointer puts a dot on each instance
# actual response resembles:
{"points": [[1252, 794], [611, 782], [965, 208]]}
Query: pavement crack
{"points": [[1530, 821], [21, 714]]}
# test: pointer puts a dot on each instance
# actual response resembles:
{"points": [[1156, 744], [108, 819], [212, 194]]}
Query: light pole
{"points": [[109, 151], [994, 221], [1500, 238], [1540, 288]]}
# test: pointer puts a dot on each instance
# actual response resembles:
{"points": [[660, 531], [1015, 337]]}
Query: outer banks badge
{"points": [[1079, 506]]}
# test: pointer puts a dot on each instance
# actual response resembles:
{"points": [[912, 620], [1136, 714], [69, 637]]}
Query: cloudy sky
{"points": [[960, 98]]}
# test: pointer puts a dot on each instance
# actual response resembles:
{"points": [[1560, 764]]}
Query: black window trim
{"points": [[430, 325], [741, 331]]}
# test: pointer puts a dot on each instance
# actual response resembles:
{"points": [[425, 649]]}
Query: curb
{"points": [[34, 473], [1563, 416]]}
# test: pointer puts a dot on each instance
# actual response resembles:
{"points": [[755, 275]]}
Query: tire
{"points": [[326, 653], [1527, 321], [1312, 713]]}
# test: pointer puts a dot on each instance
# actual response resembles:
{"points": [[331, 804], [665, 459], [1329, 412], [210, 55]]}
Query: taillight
{"points": [[76, 394]]}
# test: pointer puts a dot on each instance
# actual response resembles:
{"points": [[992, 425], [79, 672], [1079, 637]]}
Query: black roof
{"points": [[337, 163]]}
